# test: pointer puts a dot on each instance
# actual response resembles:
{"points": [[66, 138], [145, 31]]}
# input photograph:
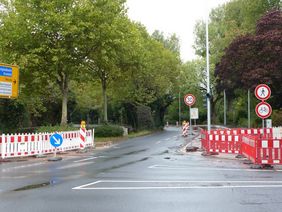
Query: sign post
{"points": [[190, 100], [56, 140], [9, 81], [263, 109]]}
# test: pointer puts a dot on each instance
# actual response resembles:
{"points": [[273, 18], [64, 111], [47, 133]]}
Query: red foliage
{"points": [[253, 59]]}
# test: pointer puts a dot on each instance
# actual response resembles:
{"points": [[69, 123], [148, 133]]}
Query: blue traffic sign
{"points": [[56, 140]]}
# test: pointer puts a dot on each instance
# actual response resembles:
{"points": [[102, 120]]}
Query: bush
{"points": [[56, 128], [277, 118], [108, 131]]}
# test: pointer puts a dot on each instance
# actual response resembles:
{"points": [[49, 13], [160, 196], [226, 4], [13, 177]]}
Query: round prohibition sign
{"points": [[262, 92], [189, 99], [263, 110]]}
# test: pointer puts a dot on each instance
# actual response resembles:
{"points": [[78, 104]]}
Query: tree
{"points": [[227, 22], [43, 37], [253, 59]]}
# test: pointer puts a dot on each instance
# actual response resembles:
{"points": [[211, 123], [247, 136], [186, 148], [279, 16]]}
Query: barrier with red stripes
{"points": [[185, 129], [82, 136], [262, 150], [249, 147], [20, 145], [258, 145], [204, 139], [229, 140], [224, 143]]}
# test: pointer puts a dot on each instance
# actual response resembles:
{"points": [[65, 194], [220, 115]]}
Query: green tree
{"points": [[42, 38]]}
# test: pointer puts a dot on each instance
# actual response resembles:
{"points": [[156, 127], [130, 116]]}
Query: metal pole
{"points": [[262, 126], [224, 108], [179, 109], [249, 109], [190, 127], [208, 74]]}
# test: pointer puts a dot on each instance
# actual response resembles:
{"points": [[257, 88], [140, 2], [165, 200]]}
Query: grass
{"points": [[121, 138], [140, 133], [106, 139]]}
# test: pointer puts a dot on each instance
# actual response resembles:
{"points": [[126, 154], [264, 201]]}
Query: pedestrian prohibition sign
{"points": [[263, 110], [262, 92], [189, 99], [56, 140]]}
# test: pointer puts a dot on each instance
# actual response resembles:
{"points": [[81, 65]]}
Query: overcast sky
{"points": [[172, 16]]}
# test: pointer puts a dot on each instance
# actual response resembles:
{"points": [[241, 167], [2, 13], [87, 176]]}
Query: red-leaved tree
{"points": [[253, 59]]}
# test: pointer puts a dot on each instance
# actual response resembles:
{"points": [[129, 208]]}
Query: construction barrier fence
{"points": [[20, 145], [261, 146]]}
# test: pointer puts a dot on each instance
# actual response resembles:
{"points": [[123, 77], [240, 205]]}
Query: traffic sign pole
{"points": [[190, 100], [190, 130], [56, 140]]}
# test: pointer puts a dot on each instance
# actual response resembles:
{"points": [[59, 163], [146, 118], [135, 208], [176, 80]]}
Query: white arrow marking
{"points": [[57, 141]]}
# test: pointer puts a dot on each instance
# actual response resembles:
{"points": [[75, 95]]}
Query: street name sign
{"points": [[9, 81]]}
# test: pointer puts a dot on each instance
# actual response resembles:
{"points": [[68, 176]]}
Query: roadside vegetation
{"points": [[86, 60]]}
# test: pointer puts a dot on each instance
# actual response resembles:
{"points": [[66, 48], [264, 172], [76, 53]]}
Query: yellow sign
{"points": [[83, 124], [9, 81]]}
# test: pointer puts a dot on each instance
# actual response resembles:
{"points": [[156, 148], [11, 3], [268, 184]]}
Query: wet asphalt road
{"points": [[142, 174]]}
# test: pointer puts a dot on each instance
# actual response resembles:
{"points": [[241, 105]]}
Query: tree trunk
{"points": [[64, 90], [105, 103]]}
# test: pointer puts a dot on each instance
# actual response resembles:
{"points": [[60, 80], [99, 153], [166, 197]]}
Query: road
{"points": [[142, 174]]}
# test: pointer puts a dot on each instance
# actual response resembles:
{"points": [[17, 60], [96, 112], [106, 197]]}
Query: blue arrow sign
{"points": [[56, 140]]}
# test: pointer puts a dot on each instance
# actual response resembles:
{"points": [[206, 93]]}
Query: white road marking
{"points": [[245, 184], [91, 158], [207, 168], [80, 187], [186, 181]]}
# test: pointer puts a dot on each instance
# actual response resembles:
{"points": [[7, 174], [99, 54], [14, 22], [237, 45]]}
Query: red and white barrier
{"points": [[82, 136], [185, 129], [224, 143], [20, 145], [269, 151], [277, 132], [258, 145]]}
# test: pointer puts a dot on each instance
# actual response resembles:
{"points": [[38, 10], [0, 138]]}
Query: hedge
{"points": [[108, 131]]}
